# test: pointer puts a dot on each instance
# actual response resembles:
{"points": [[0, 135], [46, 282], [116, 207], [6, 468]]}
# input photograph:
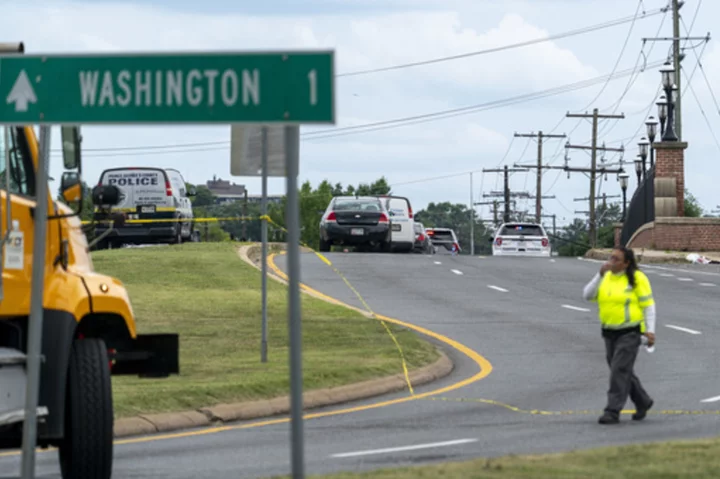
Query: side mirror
{"points": [[191, 191], [71, 187], [70, 146], [106, 195]]}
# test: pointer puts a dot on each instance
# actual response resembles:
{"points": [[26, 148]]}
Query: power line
{"points": [[403, 121], [570, 33]]}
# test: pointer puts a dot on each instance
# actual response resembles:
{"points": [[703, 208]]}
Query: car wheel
{"points": [[324, 246]]}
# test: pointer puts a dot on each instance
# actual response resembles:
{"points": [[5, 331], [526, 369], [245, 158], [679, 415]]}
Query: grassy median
{"points": [[699, 459], [208, 295]]}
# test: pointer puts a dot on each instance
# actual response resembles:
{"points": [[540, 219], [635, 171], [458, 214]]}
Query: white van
{"points": [[401, 219], [148, 194]]}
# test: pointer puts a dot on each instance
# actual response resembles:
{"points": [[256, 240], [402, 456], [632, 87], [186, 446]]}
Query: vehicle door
{"points": [[184, 205], [18, 235]]}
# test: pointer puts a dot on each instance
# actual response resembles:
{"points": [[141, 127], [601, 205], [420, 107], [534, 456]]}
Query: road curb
{"points": [[209, 416]]}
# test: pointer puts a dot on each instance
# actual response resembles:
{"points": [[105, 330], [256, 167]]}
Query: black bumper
{"points": [[149, 356], [343, 233]]}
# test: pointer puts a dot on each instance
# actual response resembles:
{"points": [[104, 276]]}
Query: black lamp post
{"points": [[668, 73], [624, 185], [638, 169], [643, 150], [651, 125], [662, 113]]}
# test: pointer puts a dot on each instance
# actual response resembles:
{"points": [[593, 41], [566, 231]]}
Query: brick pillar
{"points": [[617, 230], [670, 163]]}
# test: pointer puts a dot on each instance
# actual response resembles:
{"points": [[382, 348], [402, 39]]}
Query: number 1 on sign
{"points": [[312, 76]]}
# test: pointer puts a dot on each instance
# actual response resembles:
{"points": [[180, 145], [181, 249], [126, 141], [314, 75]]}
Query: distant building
{"points": [[224, 191]]}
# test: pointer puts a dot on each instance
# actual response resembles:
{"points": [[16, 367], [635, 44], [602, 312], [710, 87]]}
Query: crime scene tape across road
{"points": [[433, 396]]}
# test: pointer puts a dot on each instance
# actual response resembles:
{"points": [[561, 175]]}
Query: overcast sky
{"points": [[369, 34]]}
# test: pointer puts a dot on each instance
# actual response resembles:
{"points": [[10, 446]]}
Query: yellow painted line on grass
{"points": [[483, 364]]}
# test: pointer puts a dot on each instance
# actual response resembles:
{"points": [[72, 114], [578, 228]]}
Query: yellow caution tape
{"points": [[179, 220], [362, 300]]}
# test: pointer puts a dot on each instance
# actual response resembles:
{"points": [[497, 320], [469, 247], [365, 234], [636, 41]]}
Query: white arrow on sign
{"points": [[22, 93]]}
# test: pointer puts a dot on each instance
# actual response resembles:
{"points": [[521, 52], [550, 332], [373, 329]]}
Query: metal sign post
{"points": [[34, 341], [292, 214], [264, 226]]}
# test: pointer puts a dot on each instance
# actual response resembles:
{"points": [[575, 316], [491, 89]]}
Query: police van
{"points": [[402, 222], [147, 193]]}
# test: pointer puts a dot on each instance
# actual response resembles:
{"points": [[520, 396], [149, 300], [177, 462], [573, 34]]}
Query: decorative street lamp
{"points": [[638, 169], [651, 125], [624, 185], [643, 150], [662, 113], [668, 72]]}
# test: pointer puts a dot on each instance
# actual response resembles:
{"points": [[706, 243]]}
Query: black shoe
{"points": [[609, 418], [642, 412]]}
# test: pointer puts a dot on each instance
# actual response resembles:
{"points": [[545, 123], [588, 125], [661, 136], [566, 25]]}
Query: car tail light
{"points": [[331, 217], [498, 241], [421, 237], [383, 218], [168, 188], [544, 242], [410, 213]]}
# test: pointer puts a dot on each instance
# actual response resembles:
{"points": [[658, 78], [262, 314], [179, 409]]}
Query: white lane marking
{"points": [[552, 260], [685, 279], [456, 271], [497, 288], [713, 399], [707, 284], [680, 328], [666, 275], [404, 448], [575, 308], [437, 262]]}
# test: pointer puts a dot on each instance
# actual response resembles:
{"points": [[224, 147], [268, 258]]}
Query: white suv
{"points": [[521, 239]]}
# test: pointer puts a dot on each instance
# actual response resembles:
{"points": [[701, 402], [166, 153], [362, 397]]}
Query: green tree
{"points": [[203, 196], [573, 239], [692, 206]]}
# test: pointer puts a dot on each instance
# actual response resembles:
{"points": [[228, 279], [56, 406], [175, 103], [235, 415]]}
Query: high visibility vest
{"points": [[619, 305]]}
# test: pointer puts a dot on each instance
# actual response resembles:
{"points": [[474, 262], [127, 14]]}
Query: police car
{"points": [[521, 239], [148, 193]]}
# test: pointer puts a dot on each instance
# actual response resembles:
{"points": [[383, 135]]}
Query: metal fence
{"points": [[641, 209]]}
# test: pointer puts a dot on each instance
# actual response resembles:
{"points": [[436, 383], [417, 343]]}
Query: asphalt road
{"points": [[524, 315]]}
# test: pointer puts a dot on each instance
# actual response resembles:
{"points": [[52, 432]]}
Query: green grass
{"points": [[679, 459], [208, 295]]}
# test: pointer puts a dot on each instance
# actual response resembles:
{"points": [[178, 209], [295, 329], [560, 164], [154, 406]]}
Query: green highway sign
{"points": [[153, 88]]}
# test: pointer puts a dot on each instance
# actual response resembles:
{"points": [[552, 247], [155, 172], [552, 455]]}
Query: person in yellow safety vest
{"points": [[626, 309]]}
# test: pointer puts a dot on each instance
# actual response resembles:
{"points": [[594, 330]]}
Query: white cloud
{"points": [[370, 39]]}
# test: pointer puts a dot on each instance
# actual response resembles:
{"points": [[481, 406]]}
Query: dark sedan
{"points": [[359, 221]]}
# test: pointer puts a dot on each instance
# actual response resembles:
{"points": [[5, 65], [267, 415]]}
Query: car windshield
{"points": [[355, 204], [522, 230]]}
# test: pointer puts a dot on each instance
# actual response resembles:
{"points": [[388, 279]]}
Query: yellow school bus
{"points": [[88, 330]]}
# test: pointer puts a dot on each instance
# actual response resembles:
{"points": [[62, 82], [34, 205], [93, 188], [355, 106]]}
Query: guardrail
{"points": [[641, 209]]}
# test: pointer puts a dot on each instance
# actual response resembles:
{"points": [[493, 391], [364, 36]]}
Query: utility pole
{"points": [[495, 204], [538, 187], [593, 162], [678, 57], [554, 218], [506, 190], [676, 4], [472, 219]]}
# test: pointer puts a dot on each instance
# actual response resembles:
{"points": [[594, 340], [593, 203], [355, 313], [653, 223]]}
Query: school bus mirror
{"points": [[70, 146], [105, 195], [71, 187]]}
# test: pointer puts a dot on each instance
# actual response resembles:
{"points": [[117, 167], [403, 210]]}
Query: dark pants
{"points": [[621, 351]]}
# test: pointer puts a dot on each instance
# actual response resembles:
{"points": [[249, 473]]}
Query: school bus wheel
{"points": [[86, 450]]}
